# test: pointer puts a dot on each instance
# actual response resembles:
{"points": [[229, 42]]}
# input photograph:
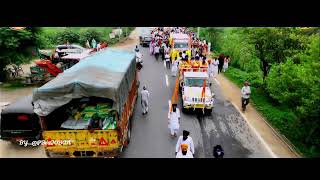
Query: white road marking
{"points": [[164, 64], [217, 81], [167, 80], [256, 133]]}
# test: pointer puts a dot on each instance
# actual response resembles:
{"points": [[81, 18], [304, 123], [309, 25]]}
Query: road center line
{"points": [[164, 64], [256, 133], [167, 80]]}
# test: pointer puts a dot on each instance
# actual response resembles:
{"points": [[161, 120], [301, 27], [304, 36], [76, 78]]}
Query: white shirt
{"points": [[166, 49], [188, 155], [167, 57], [244, 91], [156, 49], [145, 95], [216, 62], [174, 120], [188, 141]]}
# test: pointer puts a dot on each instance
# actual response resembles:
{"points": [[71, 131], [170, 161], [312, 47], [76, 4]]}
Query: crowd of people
{"points": [[161, 46]]}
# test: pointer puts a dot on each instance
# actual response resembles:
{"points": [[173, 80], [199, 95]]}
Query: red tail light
{"points": [[23, 118]]}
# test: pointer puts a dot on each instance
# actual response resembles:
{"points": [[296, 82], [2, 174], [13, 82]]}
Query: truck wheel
{"points": [[208, 111], [48, 154], [184, 110]]}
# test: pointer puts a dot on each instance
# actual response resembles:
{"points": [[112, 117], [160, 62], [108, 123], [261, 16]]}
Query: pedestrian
{"points": [[167, 58], [193, 51], [184, 153], [94, 44], [183, 55], [221, 62], [162, 49], [185, 139], [174, 68], [99, 46], [215, 64], [156, 51], [136, 49], [166, 49], [151, 47], [226, 63], [145, 100], [174, 121], [88, 44], [218, 151], [245, 91]]}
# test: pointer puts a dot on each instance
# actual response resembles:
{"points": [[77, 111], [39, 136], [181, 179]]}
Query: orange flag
{"points": [[204, 89]]}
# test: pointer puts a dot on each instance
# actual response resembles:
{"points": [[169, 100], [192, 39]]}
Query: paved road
{"points": [[150, 135]]}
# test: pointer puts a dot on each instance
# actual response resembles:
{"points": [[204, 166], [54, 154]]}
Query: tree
{"points": [[273, 45], [16, 46], [298, 85], [90, 34], [67, 35]]}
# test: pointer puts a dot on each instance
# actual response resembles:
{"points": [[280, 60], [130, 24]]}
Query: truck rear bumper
{"points": [[83, 154], [198, 106]]}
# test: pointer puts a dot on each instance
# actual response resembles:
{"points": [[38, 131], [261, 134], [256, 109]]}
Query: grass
{"points": [[13, 84], [281, 117]]}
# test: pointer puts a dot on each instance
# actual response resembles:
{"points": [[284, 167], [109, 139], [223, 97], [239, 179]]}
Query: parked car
{"points": [[145, 37], [19, 122]]}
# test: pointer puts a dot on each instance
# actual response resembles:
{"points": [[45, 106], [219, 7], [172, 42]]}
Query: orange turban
{"points": [[184, 147]]}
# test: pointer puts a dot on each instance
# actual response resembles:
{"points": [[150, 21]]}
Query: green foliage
{"points": [[283, 66], [90, 34], [16, 46], [67, 35]]}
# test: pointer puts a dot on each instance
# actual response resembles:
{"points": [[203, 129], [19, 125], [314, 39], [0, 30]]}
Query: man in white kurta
{"points": [[215, 67], [184, 153], [185, 139], [174, 121], [145, 100]]}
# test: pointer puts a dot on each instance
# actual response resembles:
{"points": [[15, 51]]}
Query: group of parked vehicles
{"points": [[90, 104]]}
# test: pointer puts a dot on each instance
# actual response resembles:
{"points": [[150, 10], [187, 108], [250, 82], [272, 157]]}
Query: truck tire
{"points": [[208, 112], [184, 110], [48, 154]]}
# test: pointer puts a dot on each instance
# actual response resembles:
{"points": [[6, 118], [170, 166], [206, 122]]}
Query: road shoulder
{"points": [[270, 137]]}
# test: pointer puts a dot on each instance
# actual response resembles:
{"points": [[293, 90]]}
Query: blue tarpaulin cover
{"points": [[107, 74]]}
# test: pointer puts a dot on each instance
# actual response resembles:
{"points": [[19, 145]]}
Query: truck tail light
{"points": [[23, 118]]}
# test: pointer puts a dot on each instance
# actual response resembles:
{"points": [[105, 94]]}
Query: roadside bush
{"points": [[67, 35], [90, 34]]}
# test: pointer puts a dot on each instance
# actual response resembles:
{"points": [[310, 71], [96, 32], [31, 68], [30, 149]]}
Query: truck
{"points": [[102, 86], [195, 87], [180, 42]]}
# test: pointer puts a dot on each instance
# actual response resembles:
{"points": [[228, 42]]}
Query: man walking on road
{"points": [[184, 153], [156, 52], [185, 139], [221, 62], [167, 58], [144, 100], [218, 151], [174, 121], [245, 91]]}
